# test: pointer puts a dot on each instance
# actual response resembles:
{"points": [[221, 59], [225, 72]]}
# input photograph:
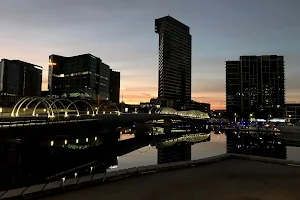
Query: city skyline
{"points": [[122, 34]]}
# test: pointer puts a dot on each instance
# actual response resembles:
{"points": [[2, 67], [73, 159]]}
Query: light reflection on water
{"points": [[217, 146], [148, 155]]}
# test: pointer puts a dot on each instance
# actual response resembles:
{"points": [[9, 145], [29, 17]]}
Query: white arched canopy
{"points": [[190, 113], [76, 101], [30, 100], [51, 105], [168, 111]]}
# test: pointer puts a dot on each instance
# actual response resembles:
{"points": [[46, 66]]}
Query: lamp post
{"points": [[51, 64]]}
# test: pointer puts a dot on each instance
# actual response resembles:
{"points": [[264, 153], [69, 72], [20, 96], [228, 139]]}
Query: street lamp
{"points": [[1, 110], [51, 65]]}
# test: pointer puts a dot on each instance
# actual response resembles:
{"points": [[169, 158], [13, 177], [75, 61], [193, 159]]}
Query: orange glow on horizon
{"points": [[134, 98]]}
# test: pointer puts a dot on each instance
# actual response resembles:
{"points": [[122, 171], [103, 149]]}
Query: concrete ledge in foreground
{"points": [[57, 187]]}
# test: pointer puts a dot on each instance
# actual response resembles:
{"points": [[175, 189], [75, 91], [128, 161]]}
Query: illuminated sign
{"points": [[82, 95]]}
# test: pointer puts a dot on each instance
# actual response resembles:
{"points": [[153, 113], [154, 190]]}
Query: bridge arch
{"points": [[15, 106], [66, 108], [168, 111], [40, 99], [107, 104], [155, 109], [52, 105], [88, 104], [158, 111]]}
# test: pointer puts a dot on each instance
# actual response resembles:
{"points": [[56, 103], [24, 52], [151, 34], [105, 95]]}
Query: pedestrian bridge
{"points": [[50, 107], [59, 116]]}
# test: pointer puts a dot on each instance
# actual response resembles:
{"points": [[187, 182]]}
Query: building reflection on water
{"points": [[258, 144], [35, 161], [177, 152]]}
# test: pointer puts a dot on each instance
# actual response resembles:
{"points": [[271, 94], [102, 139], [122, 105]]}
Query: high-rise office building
{"points": [[83, 76], [114, 91], [104, 80], [18, 79], [255, 86], [175, 49]]}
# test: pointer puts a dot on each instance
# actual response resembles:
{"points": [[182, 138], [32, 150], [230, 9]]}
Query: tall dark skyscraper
{"points": [[18, 79], [83, 76], [255, 85], [114, 90], [175, 55]]}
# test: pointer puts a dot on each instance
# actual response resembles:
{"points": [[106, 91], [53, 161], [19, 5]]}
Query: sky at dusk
{"points": [[121, 33]]}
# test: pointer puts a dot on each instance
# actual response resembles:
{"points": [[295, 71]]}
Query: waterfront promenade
{"points": [[238, 178]]}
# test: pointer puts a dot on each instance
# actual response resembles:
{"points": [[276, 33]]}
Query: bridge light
{"points": [[24, 109], [96, 138], [52, 143], [63, 179], [77, 141], [43, 110], [87, 139], [77, 115], [88, 112], [93, 115], [66, 141], [75, 175], [103, 112]]}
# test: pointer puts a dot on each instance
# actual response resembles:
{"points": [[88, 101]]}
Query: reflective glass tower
{"points": [[255, 86], [175, 49]]}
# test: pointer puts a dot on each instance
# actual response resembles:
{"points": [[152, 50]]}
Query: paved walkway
{"points": [[227, 180]]}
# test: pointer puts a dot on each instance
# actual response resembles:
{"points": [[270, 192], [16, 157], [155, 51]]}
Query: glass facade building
{"points": [[114, 91], [83, 76], [255, 86], [104, 81], [175, 49], [18, 79]]}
